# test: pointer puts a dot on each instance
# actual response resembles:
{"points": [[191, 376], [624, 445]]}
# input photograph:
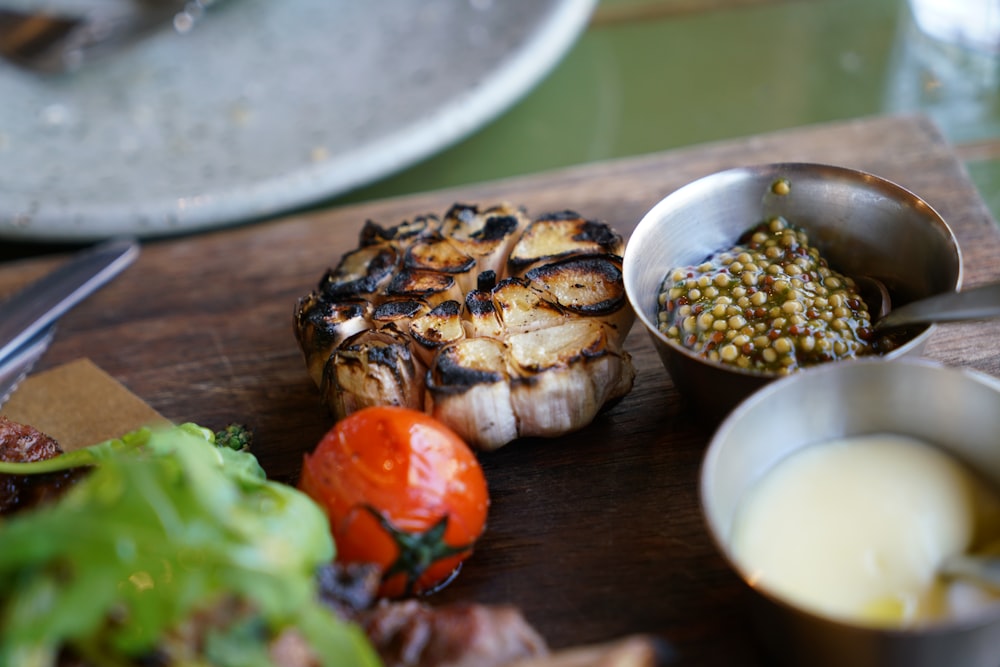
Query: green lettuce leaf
{"points": [[164, 525]]}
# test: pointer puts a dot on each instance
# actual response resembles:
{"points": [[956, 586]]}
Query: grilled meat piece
{"points": [[24, 444], [630, 651], [499, 326], [348, 588], [414, 634]]}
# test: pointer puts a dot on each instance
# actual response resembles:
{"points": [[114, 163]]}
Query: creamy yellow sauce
{"points": [[856, 529]]}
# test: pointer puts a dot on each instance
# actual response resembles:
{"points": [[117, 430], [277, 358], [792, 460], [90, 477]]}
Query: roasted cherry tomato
{"points": [[402, 490]]}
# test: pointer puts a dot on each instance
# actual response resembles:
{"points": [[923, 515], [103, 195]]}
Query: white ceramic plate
{"points": [[266, 106]]}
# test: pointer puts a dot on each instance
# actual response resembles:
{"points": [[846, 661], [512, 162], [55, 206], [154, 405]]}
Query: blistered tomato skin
{"points": [[401, 490]]}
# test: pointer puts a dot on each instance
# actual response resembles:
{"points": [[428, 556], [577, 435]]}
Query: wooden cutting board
{"points": [[595, 535]]}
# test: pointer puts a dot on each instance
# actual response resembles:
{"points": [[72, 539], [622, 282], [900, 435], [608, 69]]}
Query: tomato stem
{"points": [[417, 550]]}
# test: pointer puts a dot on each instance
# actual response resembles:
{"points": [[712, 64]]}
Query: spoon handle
{"points": [[981, 569], [978, 303]]}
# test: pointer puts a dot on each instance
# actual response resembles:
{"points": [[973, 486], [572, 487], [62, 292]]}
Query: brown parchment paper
{"points": [[79, 404]]}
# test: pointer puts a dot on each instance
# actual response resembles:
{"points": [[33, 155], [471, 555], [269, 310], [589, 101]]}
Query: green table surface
{"points": [[651, 75]]}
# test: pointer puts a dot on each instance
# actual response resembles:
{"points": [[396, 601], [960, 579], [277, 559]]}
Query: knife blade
{"points": [[16, 367], [27, 319], [52, 43]]}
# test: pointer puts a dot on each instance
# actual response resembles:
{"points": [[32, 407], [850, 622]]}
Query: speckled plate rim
{"points": [[81, 221]]}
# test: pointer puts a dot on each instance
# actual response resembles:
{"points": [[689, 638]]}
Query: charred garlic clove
{"points": [[487, 235], [402, 234], [321, 326], [362, 272], [440, 255], [437, 328], [523, 308], [400, 313], [586, 286], [431, 287], [577, 370], [482, 320], [469, 388], [373, 368], [559, 235]]}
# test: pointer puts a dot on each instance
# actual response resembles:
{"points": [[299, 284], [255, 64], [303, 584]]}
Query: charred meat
{"points": [[23, 443]]}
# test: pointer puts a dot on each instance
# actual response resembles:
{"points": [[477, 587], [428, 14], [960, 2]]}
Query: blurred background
{"points": [[651, 75], [157, 137]]}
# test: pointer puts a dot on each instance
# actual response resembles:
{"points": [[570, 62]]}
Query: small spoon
{"points": [[981, 569], [978, 303]]}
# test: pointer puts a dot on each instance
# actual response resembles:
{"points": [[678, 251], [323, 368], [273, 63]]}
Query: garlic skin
{"points": [[498, 325]]}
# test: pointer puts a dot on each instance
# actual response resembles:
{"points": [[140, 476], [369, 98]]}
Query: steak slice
{"points": [[20, 443]]}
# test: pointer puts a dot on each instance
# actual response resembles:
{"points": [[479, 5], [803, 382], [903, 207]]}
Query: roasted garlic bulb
{"points": [[499, 326]]}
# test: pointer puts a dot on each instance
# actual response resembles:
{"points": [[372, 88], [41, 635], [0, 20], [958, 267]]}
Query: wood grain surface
{"points": [[594, 535]]}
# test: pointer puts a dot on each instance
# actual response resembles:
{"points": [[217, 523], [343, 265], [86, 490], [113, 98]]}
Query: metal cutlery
{"points": [[27, 319], [16, 367], [52, 43], [977, 303]]}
